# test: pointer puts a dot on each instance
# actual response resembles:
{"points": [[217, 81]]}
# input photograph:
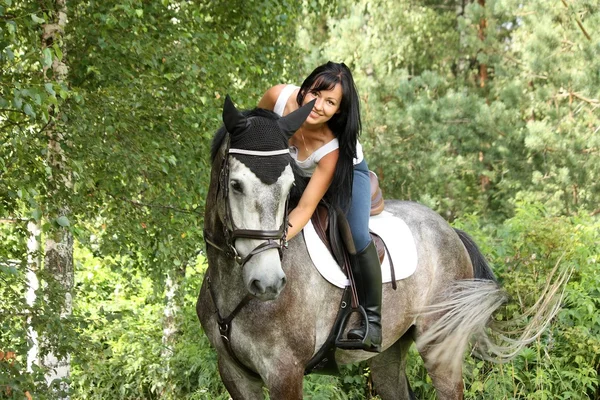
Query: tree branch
{"points": [[587, 35], [12, 220], [593, 102], [43, 128], [12, 110]]}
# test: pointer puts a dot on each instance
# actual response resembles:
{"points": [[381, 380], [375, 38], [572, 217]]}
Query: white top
{"points": [[285, 94], [309, 165]]}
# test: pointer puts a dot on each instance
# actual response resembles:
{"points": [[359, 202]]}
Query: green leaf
{"points": [[50, 89], [37, 214], [37, 19], [28, 110], [9, 53], [47, 61], [17, 100], [63, 221], [57, 51]]}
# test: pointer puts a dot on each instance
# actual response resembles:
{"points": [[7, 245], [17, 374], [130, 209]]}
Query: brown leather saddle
{"points": [[376, 195]]}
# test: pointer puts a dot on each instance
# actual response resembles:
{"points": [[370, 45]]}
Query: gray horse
{"points": [[266, 309]]}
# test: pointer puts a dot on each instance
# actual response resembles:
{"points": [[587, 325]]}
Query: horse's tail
{"points": [[464, 314], [481, 268]]}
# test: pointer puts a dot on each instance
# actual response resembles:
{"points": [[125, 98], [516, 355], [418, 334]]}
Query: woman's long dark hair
{"points": [[345, 125]]}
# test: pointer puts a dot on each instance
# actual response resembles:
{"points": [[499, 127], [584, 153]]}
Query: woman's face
{"points": [[327, 104]]}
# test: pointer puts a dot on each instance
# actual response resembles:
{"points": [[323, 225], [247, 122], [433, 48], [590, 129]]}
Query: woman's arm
{"points": [[270, 97], [314, 192]]}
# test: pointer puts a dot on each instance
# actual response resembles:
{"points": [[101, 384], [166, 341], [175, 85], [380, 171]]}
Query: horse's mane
{"points": [[217, 142]]}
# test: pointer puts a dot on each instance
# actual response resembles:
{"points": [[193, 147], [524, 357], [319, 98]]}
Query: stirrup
{"points": [[355, 344]]}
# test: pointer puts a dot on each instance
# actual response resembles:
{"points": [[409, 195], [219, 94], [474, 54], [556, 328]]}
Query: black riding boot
{"points": [[367, 276]]}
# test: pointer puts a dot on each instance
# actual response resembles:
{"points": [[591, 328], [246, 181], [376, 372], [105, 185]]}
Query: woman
{"points": [[326, 150]]}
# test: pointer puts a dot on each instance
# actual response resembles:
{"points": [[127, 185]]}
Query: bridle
{"points": [[272, 239]]}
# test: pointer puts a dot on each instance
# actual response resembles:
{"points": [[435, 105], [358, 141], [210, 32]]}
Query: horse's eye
{"points": [[236, 186]]}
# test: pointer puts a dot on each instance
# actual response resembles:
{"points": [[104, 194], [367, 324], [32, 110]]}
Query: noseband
{"points": [[272, 239]]}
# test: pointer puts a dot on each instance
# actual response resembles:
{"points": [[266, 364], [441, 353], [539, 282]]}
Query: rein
{"points": [[273, 239]]}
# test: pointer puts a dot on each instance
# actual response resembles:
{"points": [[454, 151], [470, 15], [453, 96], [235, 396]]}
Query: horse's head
{"points": [[251, 189]]}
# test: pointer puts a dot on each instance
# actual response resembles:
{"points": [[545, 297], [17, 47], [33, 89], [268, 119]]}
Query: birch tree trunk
{"points": [[33, 264], [58, 250], [174, 284]]}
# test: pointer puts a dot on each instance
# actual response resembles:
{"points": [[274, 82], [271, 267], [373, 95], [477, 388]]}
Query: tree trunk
{"points": [[33, 264], [461, 64], [58, 251], [483, 73], [483, 77], [174, 284]]}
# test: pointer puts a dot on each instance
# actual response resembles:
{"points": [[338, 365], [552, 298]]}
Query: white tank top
{"points": [[308, 166]]}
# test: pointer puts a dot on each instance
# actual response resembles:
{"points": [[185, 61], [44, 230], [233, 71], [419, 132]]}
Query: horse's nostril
{"points": [[283, 282], [257, 287]]}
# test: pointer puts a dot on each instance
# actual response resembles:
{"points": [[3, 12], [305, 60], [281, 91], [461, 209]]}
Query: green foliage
{"points": [[351, 384], [26, 96], [119, 355], [440, 131], [516, 160], [564, 362], [138, 109]]}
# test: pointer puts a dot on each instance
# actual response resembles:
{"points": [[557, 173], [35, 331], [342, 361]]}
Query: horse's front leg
{"points": [[239, 384], [285, 381]]}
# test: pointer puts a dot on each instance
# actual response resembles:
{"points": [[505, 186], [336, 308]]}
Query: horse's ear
{"points": [[291, 122], [233, 119]]}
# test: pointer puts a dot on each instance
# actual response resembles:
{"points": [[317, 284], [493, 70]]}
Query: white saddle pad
{"points": [[394, 232]]}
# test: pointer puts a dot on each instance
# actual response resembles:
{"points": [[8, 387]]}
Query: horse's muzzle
{"points": [[267, 289]]}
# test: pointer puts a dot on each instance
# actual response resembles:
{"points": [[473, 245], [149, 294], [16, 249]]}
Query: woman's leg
{"points": [[360, 207], [365, 266]]}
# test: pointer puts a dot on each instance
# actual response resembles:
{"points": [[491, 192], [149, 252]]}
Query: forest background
{"points": [[486, 111]]}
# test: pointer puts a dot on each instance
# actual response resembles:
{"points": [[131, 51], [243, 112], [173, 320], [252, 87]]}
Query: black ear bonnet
{"points": [[263, 132]]}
